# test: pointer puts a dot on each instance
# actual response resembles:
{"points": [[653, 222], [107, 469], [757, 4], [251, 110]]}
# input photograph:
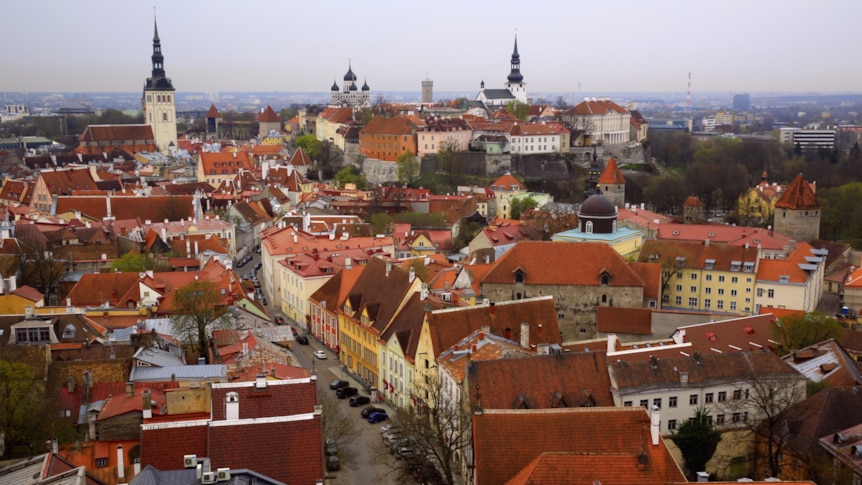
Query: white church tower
{"points": [[516, 84], [160, 108]]}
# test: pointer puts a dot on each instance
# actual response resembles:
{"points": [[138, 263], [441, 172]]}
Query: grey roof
{"points": [[157, 357], [29, 472], [178, 372], [498, 94], [188, 476]]}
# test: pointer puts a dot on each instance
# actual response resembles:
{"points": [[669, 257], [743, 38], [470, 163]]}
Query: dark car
{"points": [[332, 463], [346, 392], [377, 417], [357, 401], [370, 409], [338, 384], [302, 340]]}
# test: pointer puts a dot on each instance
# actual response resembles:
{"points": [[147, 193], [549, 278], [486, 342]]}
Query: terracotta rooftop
{"points": [[507, 183], [597, 107], [616, 435], [212, 112], [612, 174], [269, 116], [798, 196], [141, 133]]}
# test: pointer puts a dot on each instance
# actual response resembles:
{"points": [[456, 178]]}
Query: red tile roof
{"points": [[798, 196], [507, 183], [558, 468], [612, 174], [395, 125], [607, 432], [635, 321], [692, 201], [551, 263], [269, 116], [300, 158], [213, 112], [598, 107], [222, 163], [102, 133]]}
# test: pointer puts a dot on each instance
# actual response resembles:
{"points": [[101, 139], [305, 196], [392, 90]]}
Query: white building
{"points": [[159, 104], [530, 139], [601, 120], [795, 283], [515, 87]]}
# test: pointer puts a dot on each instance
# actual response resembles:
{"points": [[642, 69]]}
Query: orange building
{"points": [[387, 138]]}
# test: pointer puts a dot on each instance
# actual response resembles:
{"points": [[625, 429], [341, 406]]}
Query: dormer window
{"points": [[735, 265], [605, 279], [784, 279], [519, 276], [748, 267], [69, 331], [709, 264]]}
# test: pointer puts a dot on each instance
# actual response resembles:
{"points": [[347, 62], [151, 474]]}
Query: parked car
{"points": [[320, 354], [377, 417], [404, 452], [357, 401], [302, 340], [279, 320], [370, 409], [257, 266], [332, 463], [338, 384], [330, 447], [293, 330], [346, 392], [391, 427]]}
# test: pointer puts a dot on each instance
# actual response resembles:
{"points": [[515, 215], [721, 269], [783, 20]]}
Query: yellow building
{"points": [[757, 206], [374, 300], [706, 277], [505, 188]]}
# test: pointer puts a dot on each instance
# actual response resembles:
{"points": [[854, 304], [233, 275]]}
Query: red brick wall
{"points": [[164, 448], [276, 400]]}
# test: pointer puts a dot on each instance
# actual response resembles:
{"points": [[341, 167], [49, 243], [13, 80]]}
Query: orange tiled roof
{"points": [[554, 263], [798, 195], [220, 163], [269, 116], [692, 201], [212, 112], [614, 433], [117, 133], [300, 158], [559, 468], [506, 182], [598, 107], [395, 125], [612, 174]]}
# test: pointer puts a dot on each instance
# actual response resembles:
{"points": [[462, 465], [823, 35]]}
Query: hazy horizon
{"points": [[625, 47]]}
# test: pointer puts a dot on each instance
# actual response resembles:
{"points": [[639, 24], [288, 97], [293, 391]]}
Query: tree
{"points": [[41, 270], [23, 397], [339, 427], [408, 167], [381, 223], [439, 432], [797, 331], [350, 175], [561, 103], [446, 157], [519, 205], [310, 145], [199, 309], [133, 262], [519, 109], [697, 441], [666, 194]]}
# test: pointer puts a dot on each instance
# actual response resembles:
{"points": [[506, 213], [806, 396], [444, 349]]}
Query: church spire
{"points": [[158, 79], [515, 75]]}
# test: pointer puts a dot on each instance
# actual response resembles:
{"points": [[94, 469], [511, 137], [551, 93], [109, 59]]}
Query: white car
{"points": [[320, 354]]}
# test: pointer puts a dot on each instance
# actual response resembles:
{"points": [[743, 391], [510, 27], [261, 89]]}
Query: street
{"points": [[373, 463]]}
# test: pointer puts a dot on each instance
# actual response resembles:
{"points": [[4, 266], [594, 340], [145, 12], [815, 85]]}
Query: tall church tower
{"points": [[160, 109], [515, 83]]}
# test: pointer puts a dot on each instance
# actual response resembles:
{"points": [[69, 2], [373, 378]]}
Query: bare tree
{"points": [[339, 427], [199, 309]]}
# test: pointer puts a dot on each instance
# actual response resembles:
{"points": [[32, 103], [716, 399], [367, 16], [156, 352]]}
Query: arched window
{"points": [[519, 276], [69, 331], [604, 298], [588, 227], [605, 279]]}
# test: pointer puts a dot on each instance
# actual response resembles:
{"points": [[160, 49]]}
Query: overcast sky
{"points": [[614, 46]]}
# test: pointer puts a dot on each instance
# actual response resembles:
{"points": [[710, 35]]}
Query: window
{"points": [[760, 292], [721, 291], [707, 290], [69, 331], [693, 289], [720, 304], [771, 294], [722, 396], [671, 402], [719, 419], [709, 277], [694, 276], [678, 287], [707, 398], [737, 394], [671, 424], [627, 404], [33, 335], [721, 279], [644, 403], [678, 300], [732, 292], [733, 305], [101, 462], [707, 303], [679, 274], [736, 417], [692, 301], [657, 402], [734, 279], [692, 400], [709, 420]]}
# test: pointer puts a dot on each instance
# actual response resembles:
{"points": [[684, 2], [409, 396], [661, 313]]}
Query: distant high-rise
{"points": [[741, 102], [159, 105], [427, 91]]}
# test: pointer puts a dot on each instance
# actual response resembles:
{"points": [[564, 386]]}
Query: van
{"points": [[346, 392]]}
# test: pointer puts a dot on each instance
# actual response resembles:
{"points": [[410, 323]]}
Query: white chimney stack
{"points": [[655, 424], [121, 467], [525, 335]]}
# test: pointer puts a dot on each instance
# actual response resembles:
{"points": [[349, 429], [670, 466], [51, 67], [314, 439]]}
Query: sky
{"points": [[210, 46]]}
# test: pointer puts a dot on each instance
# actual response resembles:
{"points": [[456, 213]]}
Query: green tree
{"points": [[199, 309], [381, 223], [310, 145], [519, 205], [133, 262], [697, 441], [666, 194], [408, 167], [797, 331], [446, 157], [350, 175], [519, 109]]}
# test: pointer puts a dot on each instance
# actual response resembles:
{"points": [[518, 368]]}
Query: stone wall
{"points": [[379, 172], [801, 225]]}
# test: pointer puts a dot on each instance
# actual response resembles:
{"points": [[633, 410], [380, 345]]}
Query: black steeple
{"points": [[515, 75], [592, 187], [158, 80]]}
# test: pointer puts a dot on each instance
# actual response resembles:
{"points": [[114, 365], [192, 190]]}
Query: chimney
{"points": [[508, 333], [612, 342], [121, 466], [130, 389], [388, 267], [146, 404], [188, 248], [348, 263], [412, 274], [137, 466], [654, 424], [164, 234], [486, 329], [197, 251], [245, 349], [525, 335], [55, 449], [70, 384], [492, 309], [13, 283], [481, 336]]}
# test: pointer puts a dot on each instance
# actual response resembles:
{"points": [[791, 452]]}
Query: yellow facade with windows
{"points": [[712, 290]]}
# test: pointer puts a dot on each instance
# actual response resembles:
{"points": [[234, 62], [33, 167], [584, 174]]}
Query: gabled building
{"points": [[534, 139], [602, 121], [443, 133], [504, 188], [98, 139], [705, 276], [51, 184], [515, 87], [269, 122], [581, 276], [158, 101], [613, 184], [387, 138], [215, 168], [795, 283], [325, 303]]}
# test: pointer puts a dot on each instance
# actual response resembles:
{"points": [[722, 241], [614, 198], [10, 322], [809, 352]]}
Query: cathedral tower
{"points": [[515, 82], [160, 109]]}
